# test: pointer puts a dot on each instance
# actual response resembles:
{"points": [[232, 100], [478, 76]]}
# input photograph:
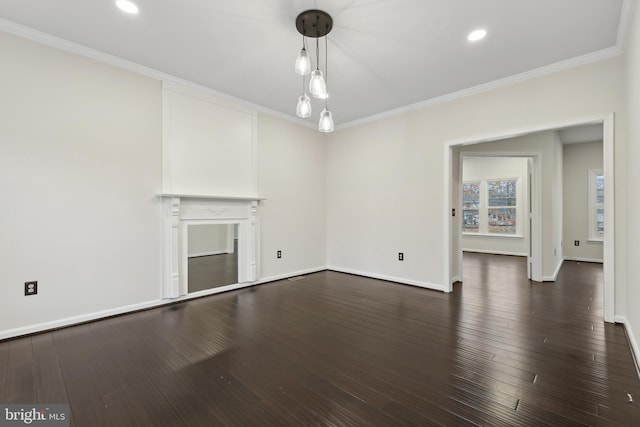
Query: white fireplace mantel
{"points": [[183, 210], [210, 197]]}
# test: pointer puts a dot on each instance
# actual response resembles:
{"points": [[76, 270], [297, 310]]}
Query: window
{"points": [[596, 205], [502, 206], [471, 207], [490, 207]]}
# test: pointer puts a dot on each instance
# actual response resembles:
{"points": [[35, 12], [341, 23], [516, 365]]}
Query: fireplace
{"points": [[182, 211]]}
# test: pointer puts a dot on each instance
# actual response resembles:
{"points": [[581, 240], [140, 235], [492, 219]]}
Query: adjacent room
{"points": [[502, 199], [304, 212]]}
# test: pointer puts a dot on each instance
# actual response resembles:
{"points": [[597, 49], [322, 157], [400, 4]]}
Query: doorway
{"points": [[452, 246], [497, 207]]}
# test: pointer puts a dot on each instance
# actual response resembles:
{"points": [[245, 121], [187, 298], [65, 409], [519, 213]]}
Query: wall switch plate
{"points": [[400, 256], [279, 254], [30, 288], [576, 243]]}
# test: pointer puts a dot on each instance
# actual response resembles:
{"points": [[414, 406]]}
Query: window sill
{"points": [[508, 236]]}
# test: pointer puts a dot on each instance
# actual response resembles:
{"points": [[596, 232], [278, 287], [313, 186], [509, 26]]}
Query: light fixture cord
{"points": [[326, 70], [317, 54]]}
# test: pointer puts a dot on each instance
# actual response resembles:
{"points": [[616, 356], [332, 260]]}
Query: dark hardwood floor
{"points": [[336, 350]]}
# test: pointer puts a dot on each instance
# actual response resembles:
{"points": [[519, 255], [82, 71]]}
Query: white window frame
{"points": [[480, 206], [594, 234], [483, 229]]}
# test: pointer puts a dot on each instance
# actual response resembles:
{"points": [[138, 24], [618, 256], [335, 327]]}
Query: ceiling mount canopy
{"points": [[314, 23]]}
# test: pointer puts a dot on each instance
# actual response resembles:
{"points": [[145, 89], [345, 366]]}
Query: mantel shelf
{"points": [[208, 197]]}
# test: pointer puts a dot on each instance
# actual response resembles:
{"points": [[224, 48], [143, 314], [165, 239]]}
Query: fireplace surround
{"points": [[181, 211]]}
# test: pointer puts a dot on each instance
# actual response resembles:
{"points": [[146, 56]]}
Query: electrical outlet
{"points": [[400, 256], [30, 288], [576, 243], [279, 254]]}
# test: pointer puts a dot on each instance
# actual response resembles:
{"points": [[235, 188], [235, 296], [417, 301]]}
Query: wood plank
{"points": [[337, 349], [48, 379], [20, 379], [4, 371], [85, 400]]}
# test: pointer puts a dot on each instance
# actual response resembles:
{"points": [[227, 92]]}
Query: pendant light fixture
{"points": [[314, 24], [317, 85], [304, 103], [303, 63], [326, 118], [326, 121]]}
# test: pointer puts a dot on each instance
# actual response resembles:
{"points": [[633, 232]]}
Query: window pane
{"points": [[471, 195], [599, 191], [600, 220], [470, 220], [502, 220], [596, 202], [502, 206], [502, 193]]}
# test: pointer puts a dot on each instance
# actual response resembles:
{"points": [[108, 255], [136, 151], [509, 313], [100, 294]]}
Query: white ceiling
{"points": [[383, 54], [578, 134]]}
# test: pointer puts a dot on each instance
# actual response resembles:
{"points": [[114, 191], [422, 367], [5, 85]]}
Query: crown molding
{"points": [[626, 15], [76, 48], [87, 52], [487, 87]]}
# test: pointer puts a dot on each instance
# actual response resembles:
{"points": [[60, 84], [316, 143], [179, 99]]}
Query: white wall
{"points": [[631, 299], [210, 239], [80, 167], [80, 173], [487, 168], [544, 145], [382, 199], [292, 179], [209, 144], [385, 178], [557, 201], [578, 160]]}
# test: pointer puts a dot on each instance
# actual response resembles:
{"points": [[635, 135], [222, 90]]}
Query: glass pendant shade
{"points": [[304, 106], [326, 121], [317, 85], [303, 64]]}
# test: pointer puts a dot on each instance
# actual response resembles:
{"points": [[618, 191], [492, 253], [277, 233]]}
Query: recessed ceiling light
{"points": [[127, 6], [476, 35]]}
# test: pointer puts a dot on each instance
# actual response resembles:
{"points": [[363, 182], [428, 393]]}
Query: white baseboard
{"points": [[635, 349], [88, 317], [68, 321], [555, 273], [293, 274], [388, 278], [74, 320], [482, 251], [580, 259], [456, 279]]}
